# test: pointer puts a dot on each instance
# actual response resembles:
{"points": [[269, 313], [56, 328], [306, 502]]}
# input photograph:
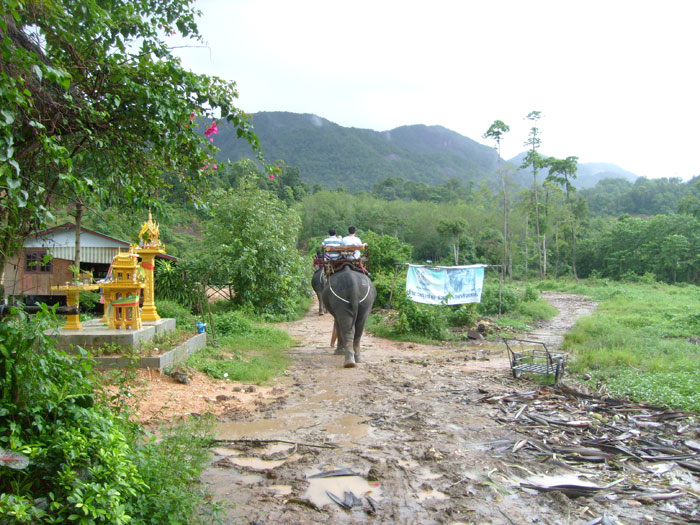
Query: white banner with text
{"points": [[445, 284]]}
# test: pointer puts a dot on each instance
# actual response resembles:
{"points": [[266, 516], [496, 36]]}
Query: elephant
{"points": [[349, 296], [318, 281]]}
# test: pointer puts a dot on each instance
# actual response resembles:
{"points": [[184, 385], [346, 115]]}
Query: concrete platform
{"points": [[161, 325], [167, 360], [96, 336]]}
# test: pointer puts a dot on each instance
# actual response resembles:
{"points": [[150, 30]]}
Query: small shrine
{"points": [[149, 246], [129, 281], [72, 292], [122, 293]]}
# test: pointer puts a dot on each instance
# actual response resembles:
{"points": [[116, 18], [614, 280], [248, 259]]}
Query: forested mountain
{"points": [[356, 159], [645, 197]]}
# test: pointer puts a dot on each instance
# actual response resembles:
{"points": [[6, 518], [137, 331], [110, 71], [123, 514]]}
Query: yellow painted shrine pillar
{"points": [[149, 246], [72, 299], [148, 256], [72, 321]]}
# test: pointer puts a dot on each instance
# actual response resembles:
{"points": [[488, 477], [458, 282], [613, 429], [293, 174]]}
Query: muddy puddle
{"points": [[322, 489]]}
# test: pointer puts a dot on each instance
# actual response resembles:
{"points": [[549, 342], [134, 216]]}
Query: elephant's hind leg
{"points": [[350, 361], [359, 328], [334, 339]]}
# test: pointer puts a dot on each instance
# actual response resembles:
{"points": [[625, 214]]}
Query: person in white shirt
{"points": [[352, 240], [331, 240]]}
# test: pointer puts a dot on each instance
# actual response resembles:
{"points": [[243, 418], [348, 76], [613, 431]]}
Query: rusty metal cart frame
{"points": [[534, 359]]}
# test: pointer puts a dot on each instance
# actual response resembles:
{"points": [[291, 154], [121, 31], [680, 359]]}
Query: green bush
{"points": [[421, 319], [530, 294], [170, 309], [221, 306], [86, 463], [385, 251], [233, 322], [173, 282], [539, 309], [250, 241], [383, 282], [462, 315], [489, 299]]}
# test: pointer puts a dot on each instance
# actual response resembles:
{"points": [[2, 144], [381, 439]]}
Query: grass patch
{"points": [[432, 324], [676, 389], [521, 320], [638, 342], [539, 309], [249, 352], [251, 366]]}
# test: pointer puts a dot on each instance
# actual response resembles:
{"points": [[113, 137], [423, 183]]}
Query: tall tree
{"points": [[496, 132], [451, 230], [563, 172], [534, 159], [250, 242], [94, 102]]}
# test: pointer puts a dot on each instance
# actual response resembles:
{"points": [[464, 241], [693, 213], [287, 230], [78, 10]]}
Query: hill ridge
{"points": [[356, 159]]}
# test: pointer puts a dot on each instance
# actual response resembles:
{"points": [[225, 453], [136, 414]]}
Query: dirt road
{"points": [[411, 425]]}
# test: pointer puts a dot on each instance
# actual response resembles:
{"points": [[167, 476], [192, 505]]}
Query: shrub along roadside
{"points": [[419, 322], [641, 342], [86, 463]]}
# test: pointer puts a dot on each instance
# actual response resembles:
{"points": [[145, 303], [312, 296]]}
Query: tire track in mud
{"points": [[408, 420]]}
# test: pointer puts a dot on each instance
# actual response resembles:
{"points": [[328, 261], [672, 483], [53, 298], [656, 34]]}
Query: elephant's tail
{"points": [[355, 311]]}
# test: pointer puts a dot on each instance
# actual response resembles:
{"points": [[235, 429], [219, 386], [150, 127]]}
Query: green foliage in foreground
{"points": [[248, 351], [641, 341], [86, 463]]}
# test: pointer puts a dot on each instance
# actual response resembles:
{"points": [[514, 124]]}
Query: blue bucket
{"points": [[201, 327]]}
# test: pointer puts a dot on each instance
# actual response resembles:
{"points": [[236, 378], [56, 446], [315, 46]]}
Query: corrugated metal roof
{"points": [[71, 226], [88, 254]]}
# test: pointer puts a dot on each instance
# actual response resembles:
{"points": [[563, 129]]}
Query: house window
{"points": [[34, 262]]}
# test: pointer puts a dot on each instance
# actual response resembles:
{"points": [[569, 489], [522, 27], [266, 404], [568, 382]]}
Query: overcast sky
{"points": [[616, 81]]}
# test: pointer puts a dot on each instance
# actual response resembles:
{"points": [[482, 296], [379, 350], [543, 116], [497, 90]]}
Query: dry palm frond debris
{"points": [[637, 451]]}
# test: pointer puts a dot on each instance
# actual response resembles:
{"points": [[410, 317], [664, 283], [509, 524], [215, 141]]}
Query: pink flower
{"points": [[191, 116], [211, 140], [211, 130], [271, 176], [205, 167], [214, 167]]}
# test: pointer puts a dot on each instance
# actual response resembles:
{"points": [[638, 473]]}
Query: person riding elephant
{"points": [[333, 241], [351, 239], [349, 296]]}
